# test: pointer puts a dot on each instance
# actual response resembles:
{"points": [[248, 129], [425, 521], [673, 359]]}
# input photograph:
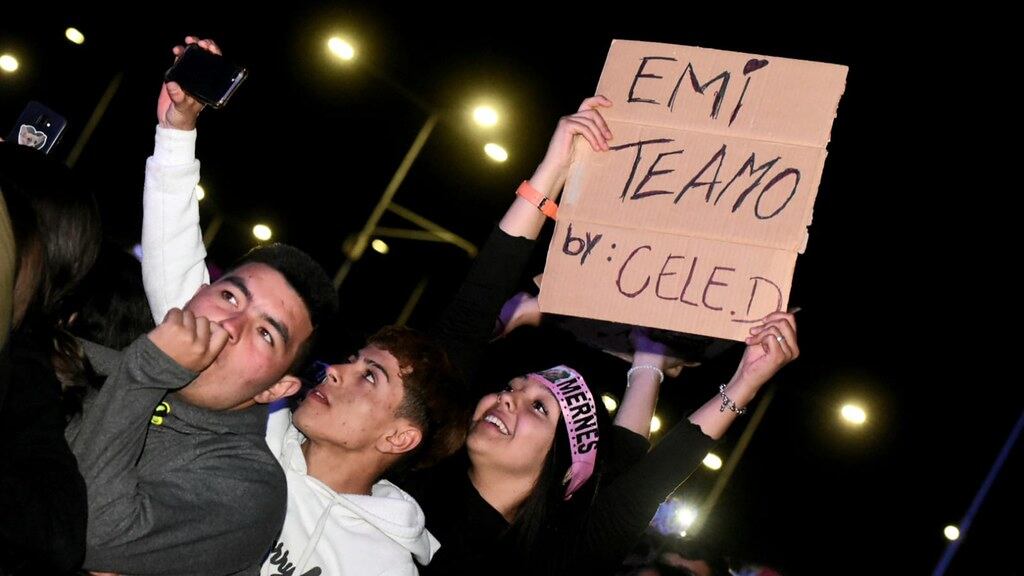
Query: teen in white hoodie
{"points": [[330, 533]]}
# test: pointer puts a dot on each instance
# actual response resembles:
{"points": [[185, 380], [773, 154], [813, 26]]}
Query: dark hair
{"points": [[536, 513], [307, 278], [432, 398], [546, 521], [50, 209], [109, 308], [57, 231]]}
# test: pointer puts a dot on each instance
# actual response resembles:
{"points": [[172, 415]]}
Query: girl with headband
{"points": [[523, 496]]}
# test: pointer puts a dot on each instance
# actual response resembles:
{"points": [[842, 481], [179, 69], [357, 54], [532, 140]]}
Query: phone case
{"points": [[207, 77], [38, 127]]}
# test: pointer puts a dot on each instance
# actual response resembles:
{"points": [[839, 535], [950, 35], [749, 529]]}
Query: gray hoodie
{"points": [[188, 491]]}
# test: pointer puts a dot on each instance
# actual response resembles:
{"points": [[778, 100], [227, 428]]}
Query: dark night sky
{"points": [[903, 286]]}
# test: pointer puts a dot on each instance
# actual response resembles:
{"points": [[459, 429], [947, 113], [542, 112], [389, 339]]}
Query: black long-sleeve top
{"points": [[474, 536]]}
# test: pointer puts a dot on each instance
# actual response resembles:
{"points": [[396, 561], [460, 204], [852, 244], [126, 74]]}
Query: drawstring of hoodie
{"points": [[314, 539]]}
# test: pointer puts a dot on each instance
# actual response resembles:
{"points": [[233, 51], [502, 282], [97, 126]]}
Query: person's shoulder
{"points": [[253, 478], [388, 489], [246, 460]]}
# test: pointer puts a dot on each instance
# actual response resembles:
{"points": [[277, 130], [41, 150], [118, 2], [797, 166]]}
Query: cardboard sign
{"points": [[692, 222]]}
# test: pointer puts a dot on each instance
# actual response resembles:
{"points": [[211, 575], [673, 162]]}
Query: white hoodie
{"points": [[326, 533]]}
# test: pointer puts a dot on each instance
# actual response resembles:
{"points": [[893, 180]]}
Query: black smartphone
{"points": [[38, 127], [206, 76]]}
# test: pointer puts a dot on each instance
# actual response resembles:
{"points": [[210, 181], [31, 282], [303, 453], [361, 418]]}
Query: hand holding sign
{"points": [[588, 123], [523, 219], [650, 352], [771, 346]]}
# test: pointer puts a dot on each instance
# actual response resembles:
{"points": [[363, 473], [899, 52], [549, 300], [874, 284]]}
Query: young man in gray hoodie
{"points": [[180, 479], [393, 403]]}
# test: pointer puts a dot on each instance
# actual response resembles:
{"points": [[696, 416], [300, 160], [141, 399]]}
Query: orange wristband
{"points": [[547, 206]]}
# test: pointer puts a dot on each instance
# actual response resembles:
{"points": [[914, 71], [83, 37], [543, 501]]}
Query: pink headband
{"points": [[580, 414]]}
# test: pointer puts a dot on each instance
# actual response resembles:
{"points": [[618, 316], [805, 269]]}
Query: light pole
{"points": [[425, 230], [358, 247]]}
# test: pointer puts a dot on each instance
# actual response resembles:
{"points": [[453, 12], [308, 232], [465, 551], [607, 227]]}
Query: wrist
{"points": [[654, 374], [741, 391], [539, 200], [546, 178], [173, 146], [657, 360]]}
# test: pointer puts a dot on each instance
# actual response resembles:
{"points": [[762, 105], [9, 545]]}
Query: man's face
{"points": [[267, 324], [355, 404]]}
